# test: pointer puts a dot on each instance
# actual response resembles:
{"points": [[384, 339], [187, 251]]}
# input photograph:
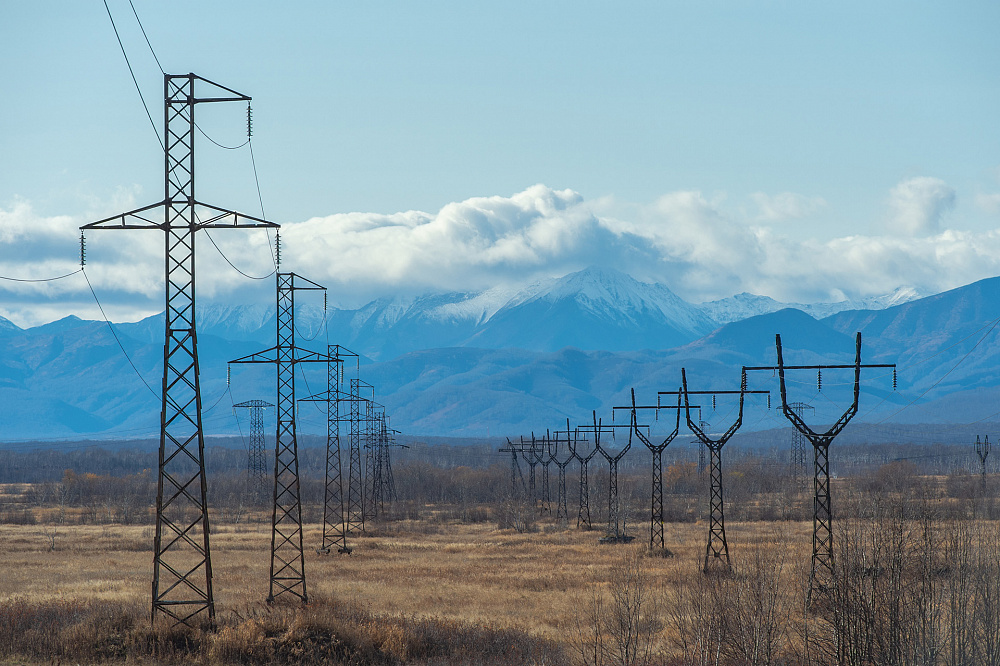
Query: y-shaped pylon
{"points": [[717, 550], [656, 513]]}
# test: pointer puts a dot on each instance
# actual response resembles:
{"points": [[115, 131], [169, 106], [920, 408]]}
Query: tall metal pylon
{"points": [[182, 558], [982, 451], [288, 569], [515, 467], [562, 461], [355, 464], [334, 536], [616, 519], [532, 455], [821, 573], [375, 447], [717, 549], [256, 459], [656, 505], [583, 516]]}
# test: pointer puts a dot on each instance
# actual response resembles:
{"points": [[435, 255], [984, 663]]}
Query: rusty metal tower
{"points": [[182, 560]]}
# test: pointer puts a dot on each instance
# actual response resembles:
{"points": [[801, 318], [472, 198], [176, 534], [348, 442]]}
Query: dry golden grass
{"points": [[473, 574]]}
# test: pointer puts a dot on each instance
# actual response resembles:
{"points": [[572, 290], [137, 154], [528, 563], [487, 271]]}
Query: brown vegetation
{"points": [[463, 572]]}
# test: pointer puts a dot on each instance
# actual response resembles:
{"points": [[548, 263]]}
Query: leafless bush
{"points": [[620, 630]]}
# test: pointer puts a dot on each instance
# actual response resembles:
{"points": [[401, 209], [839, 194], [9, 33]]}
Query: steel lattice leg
{"points": [[821, 575], [717, 550]]}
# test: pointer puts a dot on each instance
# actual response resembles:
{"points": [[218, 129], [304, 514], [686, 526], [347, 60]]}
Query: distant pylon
{"points": [[256, 458], [797, 457], [288, 573]]}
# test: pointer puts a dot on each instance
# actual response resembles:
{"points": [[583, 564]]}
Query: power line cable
{"points": [[51, 279], [144, 35], [134, 80], [234, 267], [120, 345]]}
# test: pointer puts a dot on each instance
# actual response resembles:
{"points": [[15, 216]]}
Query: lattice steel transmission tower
{"points": [[821, 574], [334, 535], [656, 505], [288, 573], [717, 549], [797, 458], [583, 516], [355, 464], [256, 458], [515, 450], [982, 451], [182, 560], [616, 528], [562, 510]]}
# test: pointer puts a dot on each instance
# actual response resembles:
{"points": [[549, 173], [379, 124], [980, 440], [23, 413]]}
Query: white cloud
{"points": [[918, 204], [786, 206], [988, 203], [682, 239]]}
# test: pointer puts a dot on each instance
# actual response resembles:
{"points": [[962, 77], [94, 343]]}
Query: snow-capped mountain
{"points": [[69, 377], [744, 305]]}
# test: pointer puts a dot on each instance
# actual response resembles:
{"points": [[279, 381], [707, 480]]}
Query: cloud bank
{"points": [[683, 239]]}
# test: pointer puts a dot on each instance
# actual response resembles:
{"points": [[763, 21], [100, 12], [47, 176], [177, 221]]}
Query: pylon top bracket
{"points": [[216, 218], [236, 96]]}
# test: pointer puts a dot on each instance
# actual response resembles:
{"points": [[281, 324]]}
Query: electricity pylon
{"points": [[656, 506], [797, 457], [982, 450], [515, 467], [717, 549], [562, 461], [288, 572], [334, 512], [583, 516], [616, 529], [821, 574], [355, 465], [256, 463], [182, 558]]}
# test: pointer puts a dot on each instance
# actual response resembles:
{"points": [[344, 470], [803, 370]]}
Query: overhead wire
{"points": [[51, 279], [117, 339], [132, 72]]}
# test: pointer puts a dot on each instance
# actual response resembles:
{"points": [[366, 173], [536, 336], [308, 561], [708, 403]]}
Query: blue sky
{"points": [[805, 151]]}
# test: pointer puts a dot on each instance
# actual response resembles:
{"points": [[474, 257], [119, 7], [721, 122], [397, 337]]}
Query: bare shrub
{"points": [[620, 630]]}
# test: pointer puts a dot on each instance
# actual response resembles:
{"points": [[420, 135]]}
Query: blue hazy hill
{"points": [[543, 356]]}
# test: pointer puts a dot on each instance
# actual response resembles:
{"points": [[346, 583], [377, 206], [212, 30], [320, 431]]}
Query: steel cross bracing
{"points": [[256, 459], [182, 561], [717, 549], [334, 535], [355, 465], [287, 573], [583, 516], [616, 532], [821, 574], [656, 506]]}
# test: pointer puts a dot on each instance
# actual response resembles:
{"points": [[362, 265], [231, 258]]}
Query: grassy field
{"points": [[541, 584]]}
